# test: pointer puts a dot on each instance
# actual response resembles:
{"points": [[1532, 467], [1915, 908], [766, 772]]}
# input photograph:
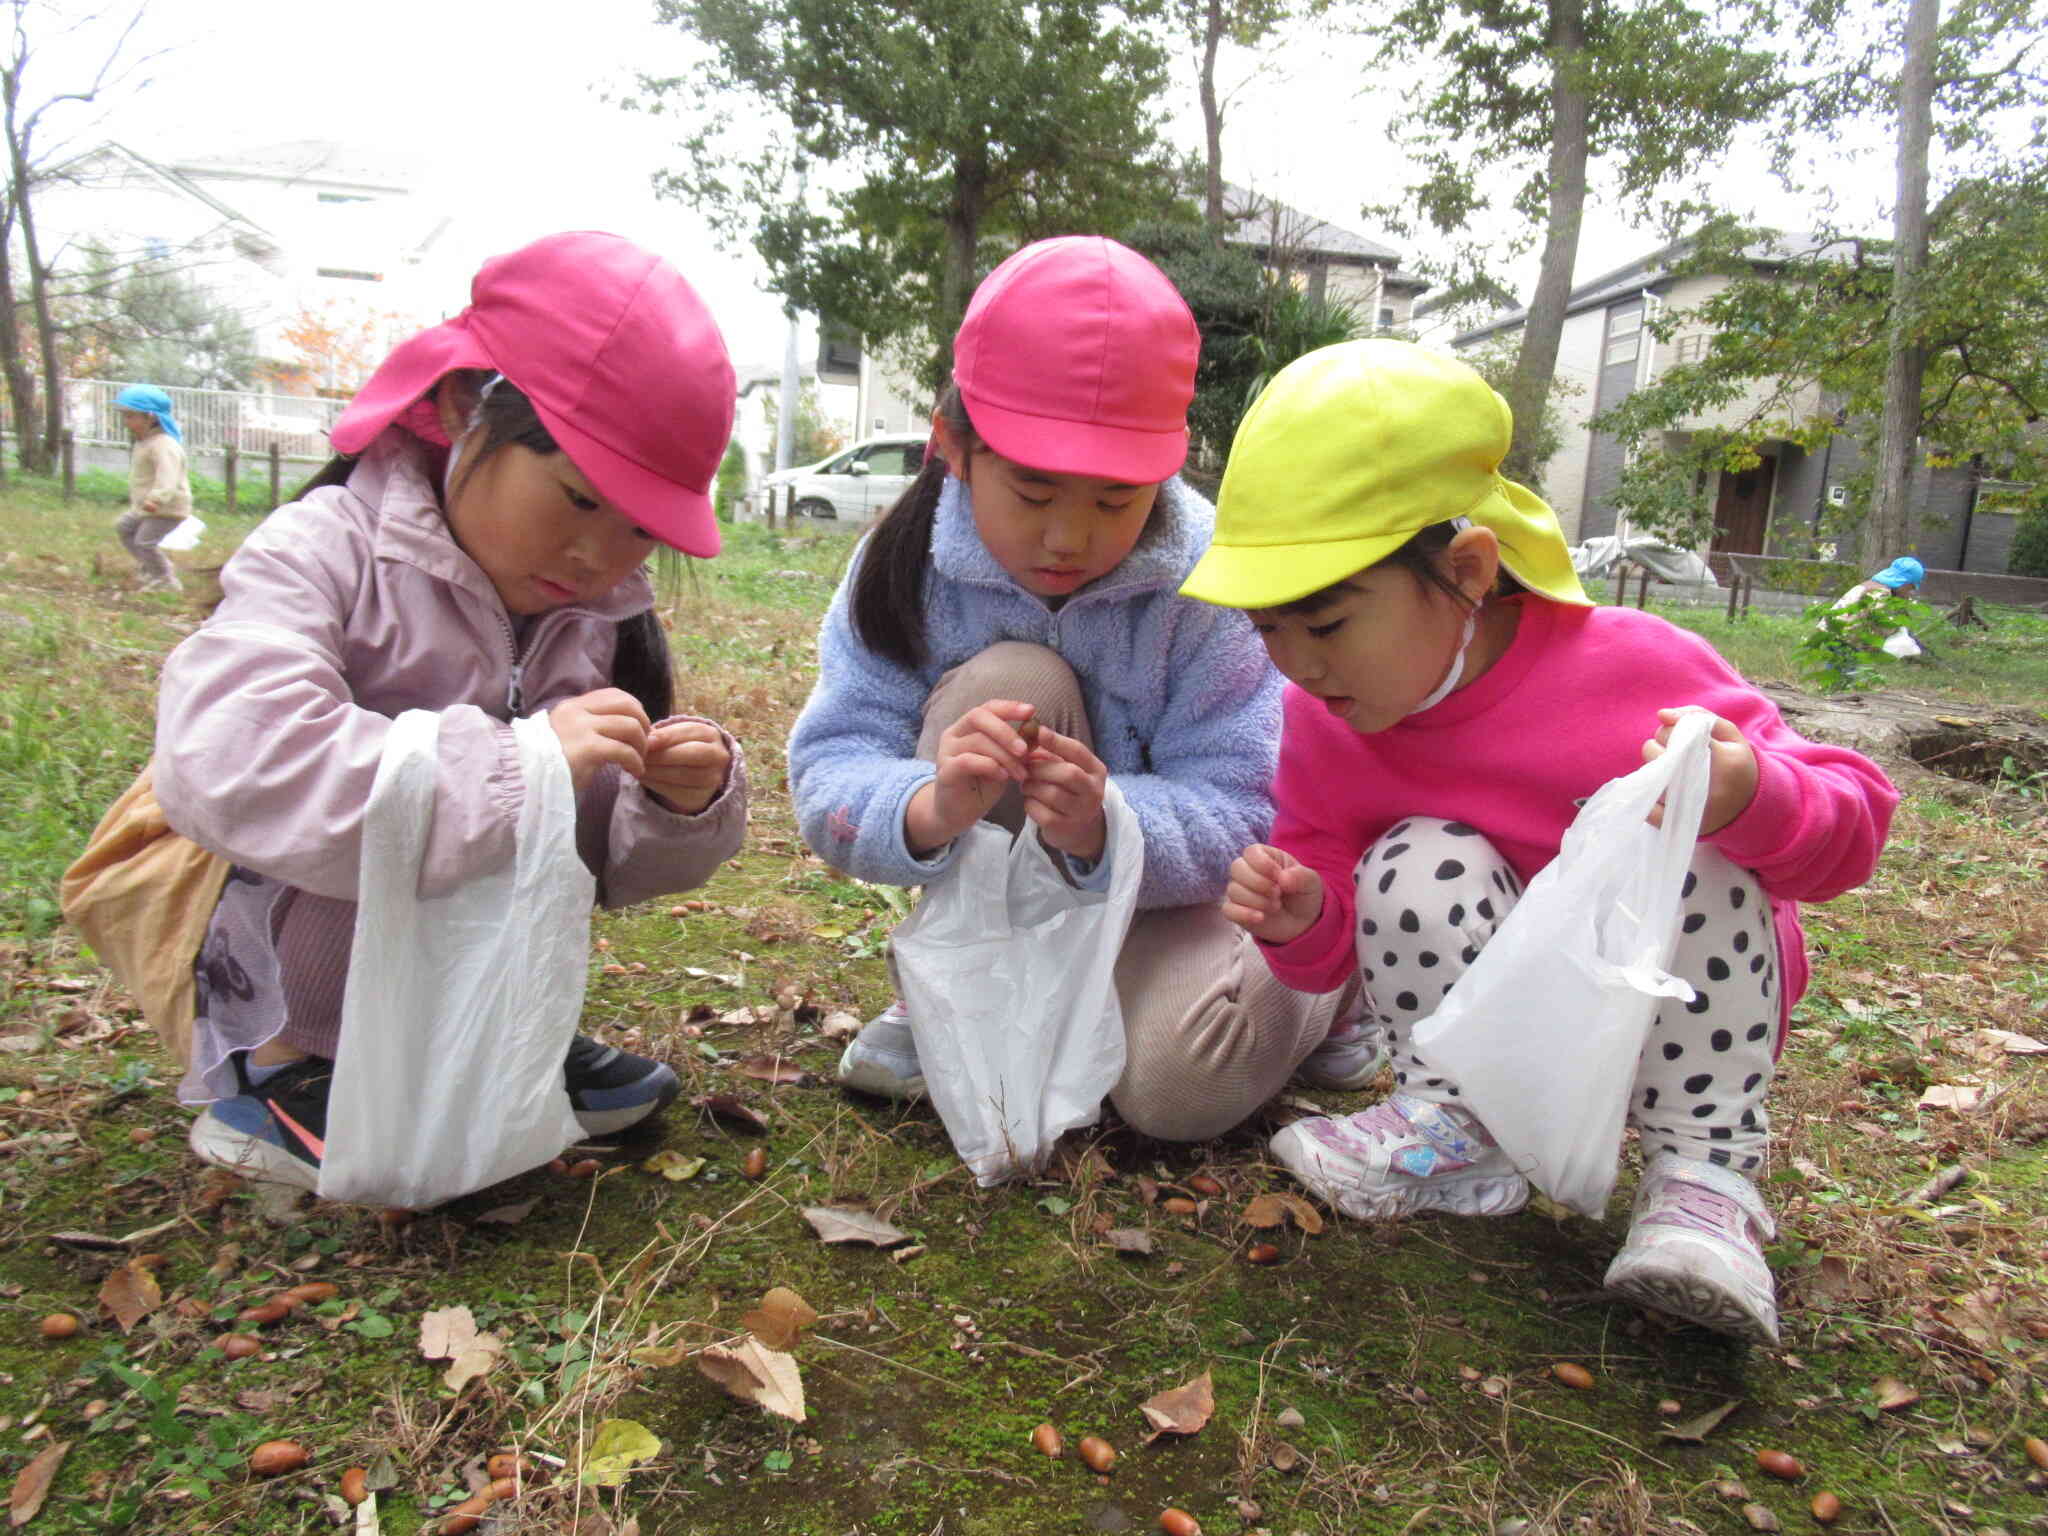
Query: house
{"points": [[1329, 262], [1607, 352]]}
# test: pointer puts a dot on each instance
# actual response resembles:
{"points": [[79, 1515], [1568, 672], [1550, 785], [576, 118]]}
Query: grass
{"points": [[1411, 1363]]}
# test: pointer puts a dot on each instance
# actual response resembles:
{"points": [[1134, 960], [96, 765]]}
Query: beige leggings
{"points": [[1210, 1033]]}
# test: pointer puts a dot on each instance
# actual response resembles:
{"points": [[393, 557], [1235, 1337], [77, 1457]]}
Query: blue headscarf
{"points": [[145, 397], [1902, 572]]}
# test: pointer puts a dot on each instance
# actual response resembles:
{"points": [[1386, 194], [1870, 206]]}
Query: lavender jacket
{"points": [[341, 612]]}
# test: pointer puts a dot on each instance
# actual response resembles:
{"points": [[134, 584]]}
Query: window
{"points": [[1386, 317], [1694, 347], [1622, 349], [1624, 335], [896, 460]]}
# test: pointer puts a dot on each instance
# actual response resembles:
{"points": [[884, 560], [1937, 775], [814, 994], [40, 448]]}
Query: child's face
{"points": [[1385, 636], [1053, 533], [542, 532], [139, 424]]}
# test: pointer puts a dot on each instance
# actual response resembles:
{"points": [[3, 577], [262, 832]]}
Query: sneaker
{"points": [[1349, 1058], [1402, 1157], [1695, 1249], [275, 1130], [611, 1089], [882, 1058]]}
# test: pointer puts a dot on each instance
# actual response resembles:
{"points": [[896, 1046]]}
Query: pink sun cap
{"points": [[1077, 356], [623, 363]]}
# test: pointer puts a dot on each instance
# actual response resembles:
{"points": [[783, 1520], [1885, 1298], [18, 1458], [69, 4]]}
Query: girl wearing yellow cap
{"points": [[1455, 697]]}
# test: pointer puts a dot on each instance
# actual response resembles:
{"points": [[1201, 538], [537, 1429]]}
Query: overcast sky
{"points": [[502, 101]]}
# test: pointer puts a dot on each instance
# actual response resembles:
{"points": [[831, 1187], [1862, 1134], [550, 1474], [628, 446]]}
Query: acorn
{"points": [[467, 1515], [1047, 1440], [2037, 1451], [1572, 1375], [1827, 1509], [511, 1465], [265, 1313], [559, 1165], [1203, 1185], [1179, 1205], [584, 1169], [312, 1291], [756, 1163], [1780, 1464], [238, 1346], [1262, 1253], [274, 1457], [58, 1325], [1178, 1522], [1028, 729], [1097, 1452], [355, 1486]]}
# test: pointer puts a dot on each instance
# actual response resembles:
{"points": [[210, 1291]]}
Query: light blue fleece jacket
{"points": [[1184, 705]]}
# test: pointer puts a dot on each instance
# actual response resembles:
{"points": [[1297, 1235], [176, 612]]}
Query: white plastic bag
{"points": [[1543, 1032], [1900, 643], [184, 536], [1009, 975], [459, 1009]]}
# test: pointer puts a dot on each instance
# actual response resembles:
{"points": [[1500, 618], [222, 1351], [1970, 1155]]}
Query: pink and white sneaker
{"points": [[1350, 1057], [1402, 1157], [1695, 1249]]}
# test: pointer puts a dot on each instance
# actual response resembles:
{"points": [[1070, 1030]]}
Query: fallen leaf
{"points": [[33, 1485], [726, 1106], [130, 1294], [780, 1320], [661, 1356], [445, 1333], [1893, 1394], [2005, 1042], [1128, 1239], [1181, 1411], [1695, 1430], [839, 1025], [772, 1069], [845, 1224], [1760, 1518], [1272, 1210], [508, 1215], [1960, 1097], [616, 1447], [754, 1373], [476, 1359], [905, 1255], [673, 1165]]}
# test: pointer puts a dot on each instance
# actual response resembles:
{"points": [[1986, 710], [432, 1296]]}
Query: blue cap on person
{"points": [[1902, 572], [153, 401]]}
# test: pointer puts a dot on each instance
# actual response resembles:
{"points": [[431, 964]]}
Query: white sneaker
{"points": [[1349, 1058], [1401, 1157], [882, 1058], [1695, 1249]]}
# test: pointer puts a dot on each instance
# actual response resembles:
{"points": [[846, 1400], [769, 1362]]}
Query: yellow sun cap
{"points": [[1350, 452]]}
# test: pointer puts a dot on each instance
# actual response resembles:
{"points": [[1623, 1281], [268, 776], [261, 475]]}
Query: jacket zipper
{"points": [[515, 697]]}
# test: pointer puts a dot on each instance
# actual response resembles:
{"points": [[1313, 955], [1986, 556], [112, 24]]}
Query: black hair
{"points": [[640, 658], [887, 605], [1419, 558]]}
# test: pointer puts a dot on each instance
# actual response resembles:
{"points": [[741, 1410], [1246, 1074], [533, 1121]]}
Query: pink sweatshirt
{"points": [[1567, 708]]}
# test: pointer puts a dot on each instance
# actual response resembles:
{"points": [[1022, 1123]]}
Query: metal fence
{"points": [[211, 419]]}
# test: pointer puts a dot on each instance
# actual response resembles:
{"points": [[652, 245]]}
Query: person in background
{"points": [[159, 491]]}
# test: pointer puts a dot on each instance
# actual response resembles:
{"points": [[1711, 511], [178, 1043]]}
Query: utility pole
{"points": [[785, 430]]}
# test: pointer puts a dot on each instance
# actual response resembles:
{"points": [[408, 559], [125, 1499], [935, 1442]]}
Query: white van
{"points": [[857, 485]]}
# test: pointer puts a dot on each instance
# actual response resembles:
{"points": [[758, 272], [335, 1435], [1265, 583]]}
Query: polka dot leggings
{"points": [[1431, 893]]}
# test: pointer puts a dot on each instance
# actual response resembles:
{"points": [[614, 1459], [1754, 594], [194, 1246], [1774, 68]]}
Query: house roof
{"points": [[1263, 222], [113, 150], [326, 162], [1773, 249]]}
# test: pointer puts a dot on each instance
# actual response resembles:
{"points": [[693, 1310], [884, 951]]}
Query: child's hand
{"points": [[980, 756], [1063, 795], [149, 502], [1731, 774], [607, 726], [1273, 895], [686, 764]]}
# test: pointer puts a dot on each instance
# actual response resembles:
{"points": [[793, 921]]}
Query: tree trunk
{"points": [[21, 382], [1890, 529], [956, 275], [46, 332], [1212, 121], [1536, 363]]}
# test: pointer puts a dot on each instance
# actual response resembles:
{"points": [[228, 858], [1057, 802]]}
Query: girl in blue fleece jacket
{"points": [[1032, 573]]}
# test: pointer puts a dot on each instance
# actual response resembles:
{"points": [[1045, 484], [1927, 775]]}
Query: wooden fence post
{"points": [[1734, 591], [228, 456], [1643, 590], [70, 464], [276, 473]]}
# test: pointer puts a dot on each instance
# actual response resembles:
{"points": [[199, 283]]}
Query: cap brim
{"points": [[1267, 575], [675, 514], [1078, 447]]}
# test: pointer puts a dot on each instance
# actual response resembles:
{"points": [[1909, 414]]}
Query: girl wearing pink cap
{"points": [[476, 550], [1032, 574]]}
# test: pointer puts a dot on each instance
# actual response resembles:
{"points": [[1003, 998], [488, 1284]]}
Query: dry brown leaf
{"points": [[1128, 1239], [726, 1106], [779, 1322], [2004, 1042], [130, 1294], [1960, 1097], [508, 1215], [1273, 1210], [840, 1026], [1893, 1394], [33, 1485], [772, 1069], [753, 1373], [845, 1224], [1181, 1411], [1695, 1430], [476, 1359], [446, 1332]]}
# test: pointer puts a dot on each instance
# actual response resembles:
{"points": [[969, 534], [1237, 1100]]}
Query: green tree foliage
{"points": [[943, 134], [814, 437], [2029, 553], [1208, 25], [1540, 95], [152, 323]]}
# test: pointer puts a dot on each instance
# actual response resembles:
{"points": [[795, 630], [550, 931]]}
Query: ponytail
{"points": [[641, 665], [887, 605]]}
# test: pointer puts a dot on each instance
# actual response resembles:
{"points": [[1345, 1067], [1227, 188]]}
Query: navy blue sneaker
{"points": [[275, 1130], [611, 1089]]}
